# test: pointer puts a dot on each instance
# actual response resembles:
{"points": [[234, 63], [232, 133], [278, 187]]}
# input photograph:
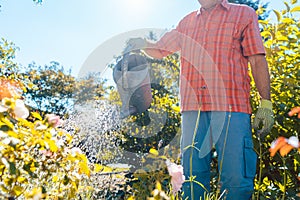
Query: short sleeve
{"points": [[252, 43], [169, 43]]}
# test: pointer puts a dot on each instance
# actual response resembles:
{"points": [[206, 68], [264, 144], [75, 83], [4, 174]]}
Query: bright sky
{"points": [[69, 31]]}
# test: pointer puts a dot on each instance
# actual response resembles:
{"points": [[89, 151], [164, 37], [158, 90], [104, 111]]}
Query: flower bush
{"points": [[277, 177], [39, 159], [36, 161]]}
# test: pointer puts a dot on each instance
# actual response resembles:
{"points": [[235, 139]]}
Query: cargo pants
{"points": [[230, 134]]}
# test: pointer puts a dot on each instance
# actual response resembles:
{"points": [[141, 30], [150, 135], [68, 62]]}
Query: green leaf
{"points": [[287, 6], [282, 38], [8, 123], [52, 145], [44, 191], [12, 168], [295, 9], [278, 15], [287, 20], [266, 34], [66, 180], [154, 152], [263, 22], [18, 190], [4, 128], [36, 115], [294, 1]]}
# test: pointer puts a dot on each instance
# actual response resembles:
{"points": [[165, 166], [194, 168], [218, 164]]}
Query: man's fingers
{"points": [[256, 123]]}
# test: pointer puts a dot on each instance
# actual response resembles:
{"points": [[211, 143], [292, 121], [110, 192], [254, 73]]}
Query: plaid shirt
{"points": [[214, 47]]}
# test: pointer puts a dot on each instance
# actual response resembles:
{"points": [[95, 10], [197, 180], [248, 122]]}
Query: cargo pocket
{"points": [[250, 158]]}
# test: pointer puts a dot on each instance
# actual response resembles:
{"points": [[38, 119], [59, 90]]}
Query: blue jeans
{"points": [[230, 134]]}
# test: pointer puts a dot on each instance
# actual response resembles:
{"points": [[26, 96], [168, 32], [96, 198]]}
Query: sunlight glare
{"points": [[136, 8]]}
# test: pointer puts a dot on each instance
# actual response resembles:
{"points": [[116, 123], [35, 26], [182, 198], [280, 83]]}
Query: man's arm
{"points": [[264, 114], [261, 75], [151, 50]]}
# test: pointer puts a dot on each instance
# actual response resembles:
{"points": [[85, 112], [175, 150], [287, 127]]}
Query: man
{"points": [[216, 43]]}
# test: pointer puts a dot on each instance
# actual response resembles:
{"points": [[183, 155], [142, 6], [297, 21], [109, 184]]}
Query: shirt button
{"points": [[203, 87]]}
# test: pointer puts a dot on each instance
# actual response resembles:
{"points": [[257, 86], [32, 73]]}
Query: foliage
{"points": [[40, 161], [38, 1], [255, 5], [8, 67], [278, 177], [47, 89], [52, 89], [143, 180], [36, 161], [89, 89], [55, 90]]}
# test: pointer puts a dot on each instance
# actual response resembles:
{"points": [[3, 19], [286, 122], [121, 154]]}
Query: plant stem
{"points": [[191, 154], [260, 168], [284, 179], [223, 153]]}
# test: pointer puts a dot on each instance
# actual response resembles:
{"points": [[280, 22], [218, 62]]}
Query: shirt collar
{"points": [[224, 4]]}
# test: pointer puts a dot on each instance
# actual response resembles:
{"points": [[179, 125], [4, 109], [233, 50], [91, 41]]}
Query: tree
{"points": [[8, 68], [53, 88], [255, 5], [89, 88]]}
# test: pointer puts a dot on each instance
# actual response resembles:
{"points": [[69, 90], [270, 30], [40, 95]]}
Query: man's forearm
{"points": [[261, 75], [151, 50]]}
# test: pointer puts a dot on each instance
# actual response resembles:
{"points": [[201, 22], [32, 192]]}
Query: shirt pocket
{"points": [[223, 34], [220, 39]]}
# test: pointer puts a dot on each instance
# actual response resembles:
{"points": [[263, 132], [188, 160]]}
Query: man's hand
{"points": [[264, 118]]}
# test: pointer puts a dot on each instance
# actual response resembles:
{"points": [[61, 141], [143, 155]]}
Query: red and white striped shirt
{"points": [[214, 47]]}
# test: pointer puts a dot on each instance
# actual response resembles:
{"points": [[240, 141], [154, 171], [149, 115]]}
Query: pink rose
{"points": [[54, 120], [176, 173]]}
